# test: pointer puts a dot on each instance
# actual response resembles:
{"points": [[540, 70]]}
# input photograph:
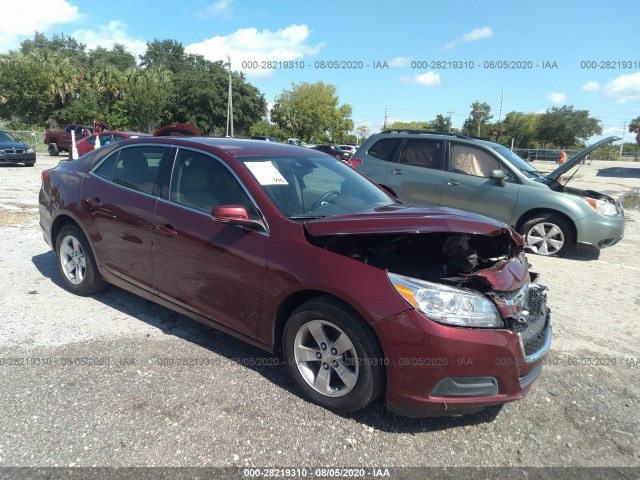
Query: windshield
{"points": [[5, 137], [517, 162], [315, 186]]}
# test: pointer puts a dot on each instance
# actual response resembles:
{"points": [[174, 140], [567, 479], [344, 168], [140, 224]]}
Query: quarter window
{"points": [[385, 148]]}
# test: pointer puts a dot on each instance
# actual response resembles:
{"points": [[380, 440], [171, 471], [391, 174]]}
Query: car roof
{"points": [[233, 146]]}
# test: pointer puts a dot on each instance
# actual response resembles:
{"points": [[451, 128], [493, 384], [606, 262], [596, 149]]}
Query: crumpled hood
{"points": [[408, 219]]}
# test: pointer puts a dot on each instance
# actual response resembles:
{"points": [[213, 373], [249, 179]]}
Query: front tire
{"points": [[76, 263], [549, 234], [333, 356]]}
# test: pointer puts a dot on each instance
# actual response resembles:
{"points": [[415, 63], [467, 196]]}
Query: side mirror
{"points": [[235, 215], [498, 176]]}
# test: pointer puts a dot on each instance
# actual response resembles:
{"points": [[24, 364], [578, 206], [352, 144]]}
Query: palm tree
{"points": [[634, 127]]}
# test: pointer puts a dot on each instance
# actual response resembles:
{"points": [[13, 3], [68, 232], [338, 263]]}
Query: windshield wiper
{"points": [[306, 217]]}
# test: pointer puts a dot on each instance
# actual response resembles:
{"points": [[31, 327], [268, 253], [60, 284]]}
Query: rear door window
{"points": [[422, 153], [137, 167]]}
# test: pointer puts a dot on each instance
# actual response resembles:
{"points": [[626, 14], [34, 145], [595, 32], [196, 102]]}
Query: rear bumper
{"points": [[436, 370]]}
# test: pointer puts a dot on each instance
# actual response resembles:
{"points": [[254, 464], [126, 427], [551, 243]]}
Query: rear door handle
{"points": [[94, 202], [453, 182], [166, 230], [397, 171]]}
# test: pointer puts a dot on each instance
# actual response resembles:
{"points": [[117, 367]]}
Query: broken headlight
{"points": [[444, 304], [603, 207]]}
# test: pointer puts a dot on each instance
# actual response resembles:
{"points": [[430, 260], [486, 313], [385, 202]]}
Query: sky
{"points": [[413, 59]]}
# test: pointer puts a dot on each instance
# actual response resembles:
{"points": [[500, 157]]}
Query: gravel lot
{"points": [[136, 409]]}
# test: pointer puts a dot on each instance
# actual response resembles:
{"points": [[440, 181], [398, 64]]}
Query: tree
{"points": [[25, 95], [441, 123], [565, 127], [478, 118], [362, 132], [118, 57], [168, 54], [409, 125], [310, 111], [521, 127], [147, 99], [634, 127]]}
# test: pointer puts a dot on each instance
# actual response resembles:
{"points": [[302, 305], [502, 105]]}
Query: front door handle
{"points": [[453, 182], [397, 171], [166, 230]]}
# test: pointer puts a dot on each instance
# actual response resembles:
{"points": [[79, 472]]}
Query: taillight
{"points": [[354, 162]]}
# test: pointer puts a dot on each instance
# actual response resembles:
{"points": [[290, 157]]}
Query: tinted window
{"points": [[105, 170], [137, 167], [422, 153], [385, 148], [203, 182], [472, 161]]}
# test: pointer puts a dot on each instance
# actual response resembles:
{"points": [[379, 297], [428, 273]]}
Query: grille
{"points": [[11, 151], [534, 330]]}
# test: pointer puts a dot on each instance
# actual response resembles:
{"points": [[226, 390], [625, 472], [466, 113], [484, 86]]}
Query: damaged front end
{"points": [[463, 279]]}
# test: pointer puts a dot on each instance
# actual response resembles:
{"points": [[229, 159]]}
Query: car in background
{"points": [[266, 138], [533, 154], [271, 243], [349, 148], [294, 141], [454, 170], [88, 144], [13, 152], [333, 150]]}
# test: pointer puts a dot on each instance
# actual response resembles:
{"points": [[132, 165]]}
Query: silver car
{"points": [[454, 170]]}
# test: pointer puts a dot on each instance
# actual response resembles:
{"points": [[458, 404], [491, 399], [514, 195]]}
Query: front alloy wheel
{"points": [[326, 358], [333, 355], [548, 234]]}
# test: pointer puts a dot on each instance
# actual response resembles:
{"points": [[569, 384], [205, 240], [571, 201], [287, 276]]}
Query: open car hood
{"points": [[178, 130], [407, 219], [553, 176]]}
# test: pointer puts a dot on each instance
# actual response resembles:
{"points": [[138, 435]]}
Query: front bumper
{"points": [[17, 158], [435, 369], [600, 231]]}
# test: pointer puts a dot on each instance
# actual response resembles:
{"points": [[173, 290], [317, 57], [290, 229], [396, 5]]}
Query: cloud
{"points": [[557, 97], [400, 62], [107, 35], [623, 88], [22, 19], [220, 8], [428, 79], [249, 44], [472, 36], [591, 87]]}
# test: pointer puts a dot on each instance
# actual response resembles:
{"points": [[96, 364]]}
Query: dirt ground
{"points": [[98, 381]]}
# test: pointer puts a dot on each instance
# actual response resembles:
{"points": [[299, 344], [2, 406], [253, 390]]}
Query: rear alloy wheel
{"points": [[53, 149], [76, 263], [333, 356], [549, 234]]}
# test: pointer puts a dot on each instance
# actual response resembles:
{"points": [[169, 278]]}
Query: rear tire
{"points": [[53, 149], [550, 234], [76, 263], [333, 355]]}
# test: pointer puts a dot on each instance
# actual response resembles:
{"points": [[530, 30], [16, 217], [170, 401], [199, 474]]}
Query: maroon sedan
{"points": [[88, 144], [297, 253]]}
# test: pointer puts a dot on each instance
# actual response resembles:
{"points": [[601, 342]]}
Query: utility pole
{"points": [[385, 118], [500, 117], [624, 129], [230, 102], [450, 112]]}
